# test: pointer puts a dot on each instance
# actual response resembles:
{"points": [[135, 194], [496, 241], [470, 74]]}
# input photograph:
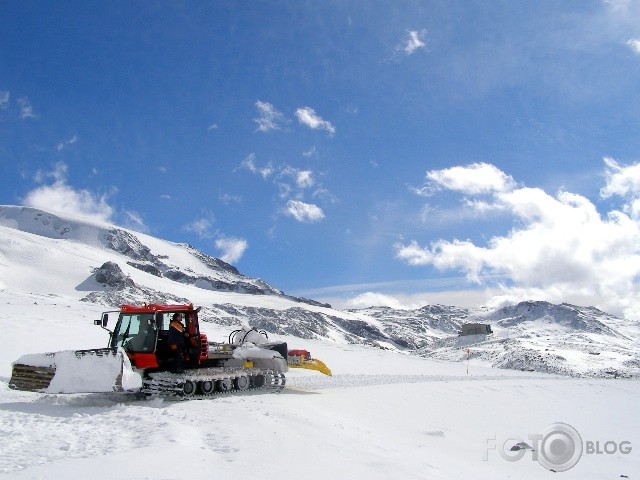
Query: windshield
{"points": [[136, 332]]}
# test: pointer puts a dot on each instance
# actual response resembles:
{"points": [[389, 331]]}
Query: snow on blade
{"points": [[88, 373], [131, 381], [37, 360]]}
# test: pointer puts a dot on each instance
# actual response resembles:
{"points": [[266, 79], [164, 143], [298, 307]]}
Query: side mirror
{"points": [[102, 322]]}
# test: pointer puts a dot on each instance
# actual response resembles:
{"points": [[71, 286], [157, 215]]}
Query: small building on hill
{"points": [[475, 329]]}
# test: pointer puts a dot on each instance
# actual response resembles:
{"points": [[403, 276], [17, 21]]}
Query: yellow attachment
{"points": [[248, 364], [311, 364]]}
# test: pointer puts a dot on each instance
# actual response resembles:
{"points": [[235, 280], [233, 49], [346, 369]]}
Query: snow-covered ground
{"points": [[383, 414]]}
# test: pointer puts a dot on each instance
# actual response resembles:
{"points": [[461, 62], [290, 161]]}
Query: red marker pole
{"points": [[468, 353]]}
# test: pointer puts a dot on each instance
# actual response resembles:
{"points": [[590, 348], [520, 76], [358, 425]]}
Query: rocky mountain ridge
{"points": [[214, 273]]}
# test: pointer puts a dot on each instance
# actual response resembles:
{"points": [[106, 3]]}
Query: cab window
{"points": [[136, 332]]}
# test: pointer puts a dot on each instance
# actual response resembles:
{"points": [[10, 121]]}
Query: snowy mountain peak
{"points": [[101, 242], [569, 316], [45, 224]]}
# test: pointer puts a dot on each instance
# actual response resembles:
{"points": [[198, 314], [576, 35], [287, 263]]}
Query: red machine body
{"points": [[152, 322]]}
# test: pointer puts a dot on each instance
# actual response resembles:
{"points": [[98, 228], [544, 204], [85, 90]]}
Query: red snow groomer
{"points": [[141, 359]]}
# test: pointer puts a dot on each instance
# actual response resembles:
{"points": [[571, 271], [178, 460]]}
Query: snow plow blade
{"points": [[302, 359], [75, 371]]}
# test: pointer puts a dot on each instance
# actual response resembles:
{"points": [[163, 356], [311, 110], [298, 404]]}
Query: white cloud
{"points": [[622, 181], [232, 248], [634, 44], [213, 126], [413, 42], [269, 119], [303, 178], [474, 179], [26, 110], [307, 116], [374, 299], [285, 189], [58, 174], [249, 163], [304, 212], [445, 291], [412, 301], [62, 198], [201, 227], [481, 207], [563, 249], [325, 195], [134, 221], [293, 183]]}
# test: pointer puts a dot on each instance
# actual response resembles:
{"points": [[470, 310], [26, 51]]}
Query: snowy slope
{"points": [[385, 413], [41, 239]]}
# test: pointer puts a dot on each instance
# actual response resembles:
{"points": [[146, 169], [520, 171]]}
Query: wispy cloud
{"points": [[303, 178], [312, 152], [134, 221], [62, 145], [460, 298], [270, 118], [5, 96], [304, 212], [58, 174], [62, 198], [293, 184], [232, 249], [414, 41], [228, 199], [563, 248], [26, 110], [634, 44], [308, 116], [249, 164], [368, 299], [406, 294], [623, 181], [201, 227]]}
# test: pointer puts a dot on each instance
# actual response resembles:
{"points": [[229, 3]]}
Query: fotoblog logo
{"points": [[558, 448]]}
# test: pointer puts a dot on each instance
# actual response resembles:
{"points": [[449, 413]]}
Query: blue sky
{"points": [[400, 153]]}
